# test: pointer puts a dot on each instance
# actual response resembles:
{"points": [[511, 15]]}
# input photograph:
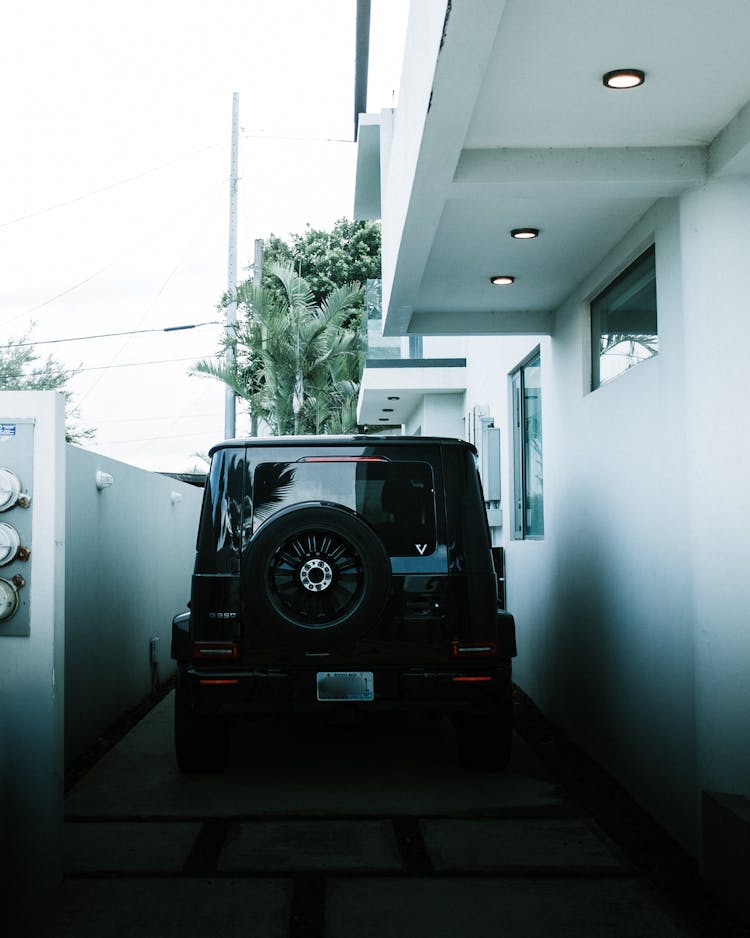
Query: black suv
{"points": [[347, 572]]}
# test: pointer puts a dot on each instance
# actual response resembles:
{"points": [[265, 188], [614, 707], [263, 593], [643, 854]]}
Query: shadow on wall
{"points": [[618, 655]]}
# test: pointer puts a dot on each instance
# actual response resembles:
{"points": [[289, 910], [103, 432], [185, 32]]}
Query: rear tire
{"points": [[484, 740], [201, 742]]}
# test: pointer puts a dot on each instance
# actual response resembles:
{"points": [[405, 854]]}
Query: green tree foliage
{"points": [[349, 253], [297, 361], [23, 369]]}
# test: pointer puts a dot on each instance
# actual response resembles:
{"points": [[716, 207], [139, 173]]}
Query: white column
{"points": [[715, 248]]}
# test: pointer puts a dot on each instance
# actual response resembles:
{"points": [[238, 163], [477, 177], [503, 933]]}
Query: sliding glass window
{"points": [[623, 321], [528, 474]]}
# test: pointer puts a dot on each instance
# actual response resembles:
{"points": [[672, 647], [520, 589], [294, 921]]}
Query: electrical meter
{"points": [[10, 489], [8, 599], [16, 524], [9, 543]]}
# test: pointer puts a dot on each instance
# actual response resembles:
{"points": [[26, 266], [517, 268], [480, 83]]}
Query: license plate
{"points": [[345, 685]]}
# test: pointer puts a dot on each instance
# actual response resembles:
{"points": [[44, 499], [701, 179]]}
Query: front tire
{"points": [[201, 742]]}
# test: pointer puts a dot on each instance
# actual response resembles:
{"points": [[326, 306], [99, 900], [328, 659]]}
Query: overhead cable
{"points": [[110, 335]]}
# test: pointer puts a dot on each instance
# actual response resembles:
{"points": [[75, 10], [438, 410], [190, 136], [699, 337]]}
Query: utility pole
{"points": [[230, 408], [258, 283]]}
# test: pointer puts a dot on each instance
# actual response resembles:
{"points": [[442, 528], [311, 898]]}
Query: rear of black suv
{"points": [[343, 572]]}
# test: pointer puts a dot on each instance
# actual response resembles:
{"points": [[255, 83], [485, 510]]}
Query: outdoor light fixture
{"points": [[623, 78], [502, 280], [103, 480], [524, 234]]}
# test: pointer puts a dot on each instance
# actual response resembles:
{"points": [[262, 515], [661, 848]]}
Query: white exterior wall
{"points": [[425, 28], [715, 245], [107, 571], [129, 562], [604, 601], [631, 612], [438, 415], [32, 680]]}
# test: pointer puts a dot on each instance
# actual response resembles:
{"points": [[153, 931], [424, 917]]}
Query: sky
{"points": [[114, 186]]}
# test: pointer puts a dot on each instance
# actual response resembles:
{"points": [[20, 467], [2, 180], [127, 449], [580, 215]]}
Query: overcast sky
{"points": [[114, 174]]}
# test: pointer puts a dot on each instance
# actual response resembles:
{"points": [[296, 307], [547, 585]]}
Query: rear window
{"points": [[397, 499]]}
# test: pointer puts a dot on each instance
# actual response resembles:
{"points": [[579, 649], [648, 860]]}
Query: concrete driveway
{"points": [[326, 831]]}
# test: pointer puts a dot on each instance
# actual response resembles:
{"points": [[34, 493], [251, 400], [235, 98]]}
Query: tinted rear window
{"points": [[397, 499]]}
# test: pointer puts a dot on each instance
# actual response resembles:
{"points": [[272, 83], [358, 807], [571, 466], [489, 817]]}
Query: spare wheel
{"points": [[316, 573]]}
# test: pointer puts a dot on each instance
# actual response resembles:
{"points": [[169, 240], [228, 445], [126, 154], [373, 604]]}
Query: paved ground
{"points": [[323, 831]]}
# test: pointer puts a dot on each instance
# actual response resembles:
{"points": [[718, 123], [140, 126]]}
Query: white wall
{"points": [[437, 415], [607, 645], [32, 676], [108, 570], [715, 245], [129, 562], [426, 18], [631, 613]]}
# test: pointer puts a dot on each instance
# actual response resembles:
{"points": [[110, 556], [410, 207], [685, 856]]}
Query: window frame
{"points": [[522, 530], [647, 255]]}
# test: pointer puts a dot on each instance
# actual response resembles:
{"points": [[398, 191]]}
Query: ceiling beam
{"points": [[500, 322], [729, 154], [636, 171]]}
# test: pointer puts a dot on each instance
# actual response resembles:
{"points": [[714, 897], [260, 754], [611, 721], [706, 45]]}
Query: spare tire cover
{"points": [[316, 573]]}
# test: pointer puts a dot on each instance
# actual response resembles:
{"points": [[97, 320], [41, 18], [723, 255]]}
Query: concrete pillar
{"points": [[715, 246]]}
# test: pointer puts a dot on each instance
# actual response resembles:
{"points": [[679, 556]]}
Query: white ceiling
{"points": [[524, 133]]}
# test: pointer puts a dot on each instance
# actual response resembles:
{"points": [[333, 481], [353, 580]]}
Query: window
{"points": [[397, 499], [528, 477], [623, 321], [415, 346]]}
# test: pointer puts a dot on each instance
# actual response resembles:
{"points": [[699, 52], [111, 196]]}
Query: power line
{"points": [[155, 169], [57, 295], [261, 135], [112, 185], [161, 361], [215, 416], [159, 438], [110, 335]]}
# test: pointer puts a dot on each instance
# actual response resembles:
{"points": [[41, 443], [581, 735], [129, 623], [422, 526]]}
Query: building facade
{"points": [[609, 356]]}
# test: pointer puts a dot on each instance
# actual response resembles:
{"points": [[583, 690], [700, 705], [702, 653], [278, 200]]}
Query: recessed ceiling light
{"points": [[524, 234], [502, 280], [622, 78]]}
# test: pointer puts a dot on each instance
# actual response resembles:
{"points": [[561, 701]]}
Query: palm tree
{"points": [[297, 364]]}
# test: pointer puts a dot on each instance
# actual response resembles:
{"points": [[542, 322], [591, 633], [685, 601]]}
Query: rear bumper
{"points": [[238, 691]]}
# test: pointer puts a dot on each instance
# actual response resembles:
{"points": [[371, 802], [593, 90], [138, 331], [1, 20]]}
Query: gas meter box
{"points": [[16, 470]]}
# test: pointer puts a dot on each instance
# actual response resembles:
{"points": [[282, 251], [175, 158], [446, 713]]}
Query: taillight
{"points": [[223, 680], [218, 651], [471, 678], [473, 649]]}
